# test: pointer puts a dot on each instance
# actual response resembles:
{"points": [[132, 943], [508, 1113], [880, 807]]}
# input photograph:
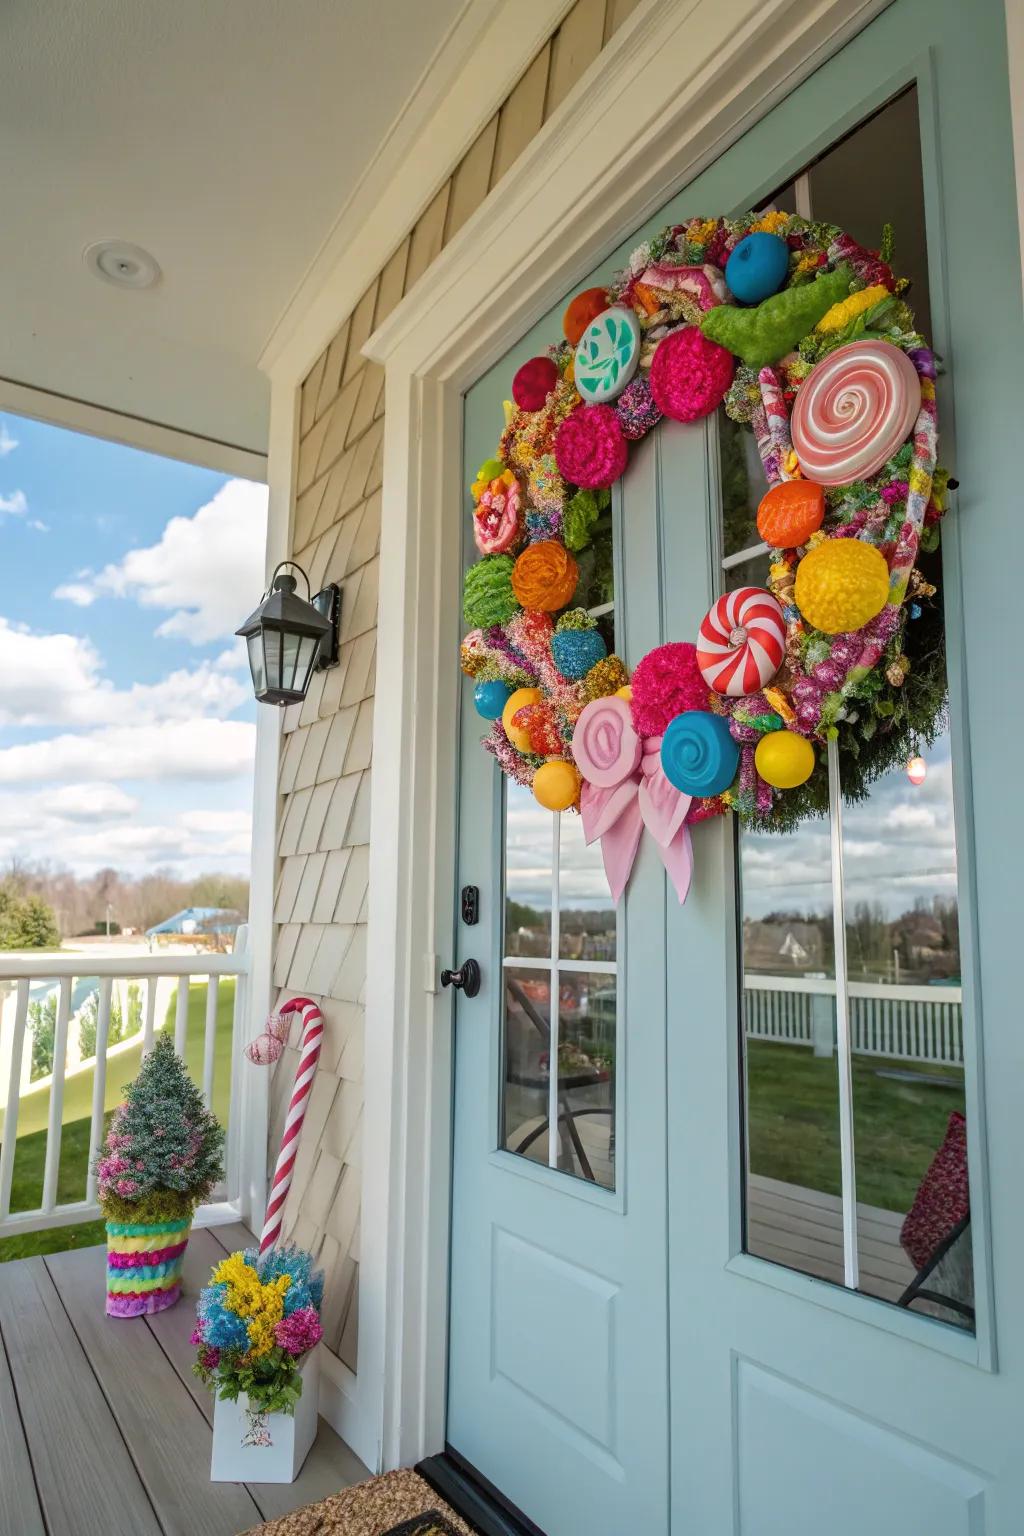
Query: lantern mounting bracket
{"points": [[327, 602]]}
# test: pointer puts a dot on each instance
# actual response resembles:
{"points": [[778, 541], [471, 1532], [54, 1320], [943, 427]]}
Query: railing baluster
{"points": [[10, 1142], [99, 1082], [181, 1015], [209, 1039], [55, 1129], [152, 984]]}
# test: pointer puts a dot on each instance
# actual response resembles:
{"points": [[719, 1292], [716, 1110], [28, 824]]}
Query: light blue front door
{"points": [[676, 1226]]}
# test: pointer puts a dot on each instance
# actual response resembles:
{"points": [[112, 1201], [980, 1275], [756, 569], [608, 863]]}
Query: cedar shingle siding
{"points": [[325, 780]]}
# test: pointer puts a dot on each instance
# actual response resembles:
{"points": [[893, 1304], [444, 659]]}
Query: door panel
{"points": [[582, 1315]]}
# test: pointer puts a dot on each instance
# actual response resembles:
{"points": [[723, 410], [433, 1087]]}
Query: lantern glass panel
{"points": [[257, 663], [308, 647]]}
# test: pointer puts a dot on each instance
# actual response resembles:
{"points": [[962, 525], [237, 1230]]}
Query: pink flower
{"points": [[690, 374], [590, 449], [665, 684], [299, 1332], [209, 1358]]}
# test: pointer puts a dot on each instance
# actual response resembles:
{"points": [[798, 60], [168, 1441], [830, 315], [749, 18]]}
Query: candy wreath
{"points": [[807, 340]]}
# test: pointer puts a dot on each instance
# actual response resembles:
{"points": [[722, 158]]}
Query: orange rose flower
{"points": [[544, 577]]}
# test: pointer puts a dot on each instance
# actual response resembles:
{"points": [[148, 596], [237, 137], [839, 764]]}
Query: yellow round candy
{"points": [[625, 692], [784, 759], [519, 738], [841, 585], [556, 785]]}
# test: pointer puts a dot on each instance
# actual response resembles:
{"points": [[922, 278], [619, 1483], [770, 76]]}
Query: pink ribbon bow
{"points": [[625, 790]]}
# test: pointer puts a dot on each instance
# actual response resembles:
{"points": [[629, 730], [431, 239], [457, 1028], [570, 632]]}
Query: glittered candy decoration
{"points": [[637, 409], [690, 375], [773, 439], [854, 410], [541, 726], [545, 577], [604, 679], [488, 597]]}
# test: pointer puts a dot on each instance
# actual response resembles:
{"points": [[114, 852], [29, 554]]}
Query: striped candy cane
{"points": [[309, 1054]]}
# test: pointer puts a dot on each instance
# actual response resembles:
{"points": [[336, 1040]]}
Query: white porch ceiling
{"points": [[223, 136]]}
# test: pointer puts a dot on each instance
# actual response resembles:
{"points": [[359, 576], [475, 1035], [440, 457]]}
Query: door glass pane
{"points": [[527, 1031], [587, 926], [794, 1180], [903, 956], [527, 874], [743, 483], [907, 1188], [586, 1075]]}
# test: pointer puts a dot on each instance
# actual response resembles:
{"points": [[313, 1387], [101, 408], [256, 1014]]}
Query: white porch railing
{"points": [[162, 976], [921, 1024]]}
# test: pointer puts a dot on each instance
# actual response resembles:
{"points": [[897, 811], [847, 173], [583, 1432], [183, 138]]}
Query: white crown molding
{"points": [[475, 67], [132, 431], [679, 83]]}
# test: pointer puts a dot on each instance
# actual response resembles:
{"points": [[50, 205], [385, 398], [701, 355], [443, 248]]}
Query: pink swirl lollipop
{"points": [[854, 410], [604, 743]]}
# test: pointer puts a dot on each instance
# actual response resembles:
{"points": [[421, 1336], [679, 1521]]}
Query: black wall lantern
{"points": [[289, 638]]}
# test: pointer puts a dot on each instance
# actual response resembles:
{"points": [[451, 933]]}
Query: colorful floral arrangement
{"points": [[162, 1156], [805, 338], [257, 1318]]}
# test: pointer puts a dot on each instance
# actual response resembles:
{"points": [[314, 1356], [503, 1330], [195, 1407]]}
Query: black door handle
{"points": [[466, 978]]}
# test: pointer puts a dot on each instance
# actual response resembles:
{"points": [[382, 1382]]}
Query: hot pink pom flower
{"points": [[299, 1332], [690, 374], [590, 449], [666, 682]]}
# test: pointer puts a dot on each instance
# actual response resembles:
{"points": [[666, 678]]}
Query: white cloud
{"points": [[7, 442], [98, 824], [38, 525], [174, 749], [56, 679], [76, 592], [207, 570], [89, 803], [16, 504]]}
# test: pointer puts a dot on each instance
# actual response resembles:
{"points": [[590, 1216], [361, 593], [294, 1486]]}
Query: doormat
{"points": [[397, 1504]]}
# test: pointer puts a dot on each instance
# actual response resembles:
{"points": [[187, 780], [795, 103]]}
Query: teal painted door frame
{"points": [[726, 1394]]}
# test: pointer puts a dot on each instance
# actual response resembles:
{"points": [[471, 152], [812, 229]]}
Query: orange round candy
{"points": [[581, 311], [789, 513], [544, 577]]}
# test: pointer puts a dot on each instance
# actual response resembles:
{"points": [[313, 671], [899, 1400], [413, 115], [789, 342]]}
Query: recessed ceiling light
{"points": [[120, 262]]}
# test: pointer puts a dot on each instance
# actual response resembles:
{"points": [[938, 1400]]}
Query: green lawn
{"points": [[793, 1128], [27, 1186]]}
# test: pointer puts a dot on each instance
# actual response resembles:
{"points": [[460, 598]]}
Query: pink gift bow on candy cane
{"points": [[618, 815]]}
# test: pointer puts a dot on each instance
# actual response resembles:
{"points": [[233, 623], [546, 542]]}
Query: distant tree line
{"points": [[41, 904]]}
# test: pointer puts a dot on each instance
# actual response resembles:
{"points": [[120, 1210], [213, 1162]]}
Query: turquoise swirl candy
{"points": [[698, 754]]}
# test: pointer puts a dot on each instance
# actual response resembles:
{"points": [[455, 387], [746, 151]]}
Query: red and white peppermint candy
{"points": [[741, 642]]}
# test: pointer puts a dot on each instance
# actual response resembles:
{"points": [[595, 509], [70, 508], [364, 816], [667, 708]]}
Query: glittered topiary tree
{"points": [[162, 1156]]}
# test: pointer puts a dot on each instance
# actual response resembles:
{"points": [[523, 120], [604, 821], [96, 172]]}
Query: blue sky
{"points": [[126, 713]]}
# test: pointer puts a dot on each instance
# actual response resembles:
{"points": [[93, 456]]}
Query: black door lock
{"points": [[470, 905], [466, 978]]}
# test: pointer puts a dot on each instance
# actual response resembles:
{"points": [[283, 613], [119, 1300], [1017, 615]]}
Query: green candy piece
{"points": [[490, 470], [762, 335], [487, 596]]}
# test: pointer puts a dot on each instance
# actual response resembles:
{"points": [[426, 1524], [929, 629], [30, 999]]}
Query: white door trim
{"points": [[677, 85]]}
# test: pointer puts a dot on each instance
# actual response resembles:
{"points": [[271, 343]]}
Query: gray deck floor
{"points": [[104, 1431], [803, 1229]]}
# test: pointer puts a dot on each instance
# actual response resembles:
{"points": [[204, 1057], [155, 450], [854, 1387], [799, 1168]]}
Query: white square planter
{"points": [[253, 1447]]}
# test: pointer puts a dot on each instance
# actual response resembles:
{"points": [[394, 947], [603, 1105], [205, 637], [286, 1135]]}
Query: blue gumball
{"points": [[490, 698], [757, 267], [698, 754], [575, 651]]}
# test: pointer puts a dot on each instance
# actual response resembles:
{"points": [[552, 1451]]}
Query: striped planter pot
{"points": [[144, 1263]]}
